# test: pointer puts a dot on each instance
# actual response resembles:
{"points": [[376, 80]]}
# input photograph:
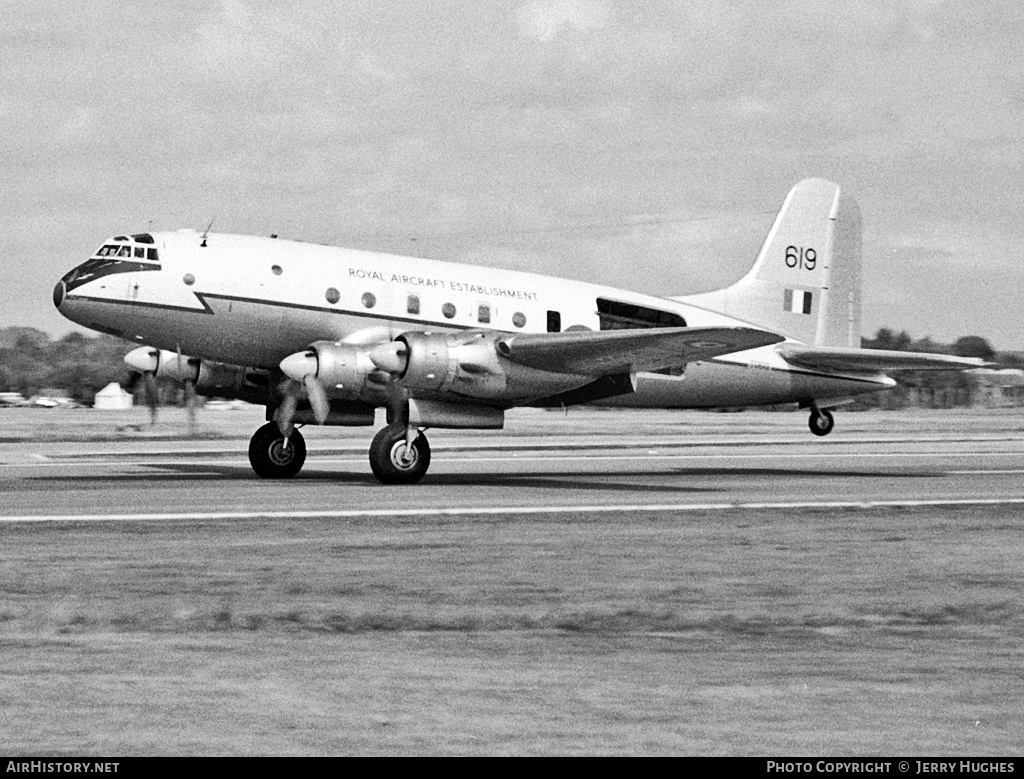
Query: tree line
{"points": [[935, 389], [31, 361]]}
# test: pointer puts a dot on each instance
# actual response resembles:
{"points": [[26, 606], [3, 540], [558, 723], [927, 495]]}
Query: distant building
{"points": [[113, 398], [12, 399]]}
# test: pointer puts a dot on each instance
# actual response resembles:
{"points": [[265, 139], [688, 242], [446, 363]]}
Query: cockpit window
{"points": [[114, 251], [143, 238], [123, 250]]}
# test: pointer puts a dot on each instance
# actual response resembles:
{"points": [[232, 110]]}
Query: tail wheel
{"points": [[395, 461], [821, 422], [274, 457]]}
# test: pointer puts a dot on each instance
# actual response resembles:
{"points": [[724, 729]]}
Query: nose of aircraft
{"points": [[58, 293]]}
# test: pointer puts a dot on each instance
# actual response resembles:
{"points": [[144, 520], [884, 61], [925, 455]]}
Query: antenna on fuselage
{"points": [[205, 233]]}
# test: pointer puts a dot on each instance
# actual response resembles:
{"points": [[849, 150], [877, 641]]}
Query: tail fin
{"points": [[805, 282]]}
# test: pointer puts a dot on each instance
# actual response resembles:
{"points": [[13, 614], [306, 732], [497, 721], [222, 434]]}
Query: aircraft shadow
{"points": [[542, 480], [206, 473]]}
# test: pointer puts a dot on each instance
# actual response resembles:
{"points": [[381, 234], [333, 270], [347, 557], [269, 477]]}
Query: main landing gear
{"points": [[821, 421], [397, 455], [273, 456]]}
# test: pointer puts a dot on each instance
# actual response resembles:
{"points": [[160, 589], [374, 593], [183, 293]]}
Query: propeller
{"points": [[301, 369], [149, 363], [144, 361]]}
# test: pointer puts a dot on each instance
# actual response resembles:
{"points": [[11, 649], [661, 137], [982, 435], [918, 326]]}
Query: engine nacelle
{"points": [[345, 370], [208, 378], [217, 379], [471, 366]]}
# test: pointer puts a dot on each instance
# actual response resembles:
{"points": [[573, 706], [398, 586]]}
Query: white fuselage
{"points": [[253, 301]]}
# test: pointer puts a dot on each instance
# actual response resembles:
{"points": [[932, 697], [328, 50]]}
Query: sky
{"points": [[641, 145]]}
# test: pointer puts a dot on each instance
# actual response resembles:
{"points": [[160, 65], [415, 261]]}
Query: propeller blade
{"points": [[152, 393], [132, 382], [317, 398], [286, 413], [391, 357], [190, 405]]}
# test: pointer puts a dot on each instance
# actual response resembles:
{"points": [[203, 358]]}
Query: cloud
{"points": [[80, 124], [546, 19], [324, 119], [243, 40]]}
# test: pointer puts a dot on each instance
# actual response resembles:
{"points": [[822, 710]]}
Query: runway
{"points": [[590, 583], [573, 467]]}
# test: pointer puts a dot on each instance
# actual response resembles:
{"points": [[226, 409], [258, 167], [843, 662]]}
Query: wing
{"points": [[590, 353], [835, 358]]}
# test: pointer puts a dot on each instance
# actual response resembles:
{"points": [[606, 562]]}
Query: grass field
{"points": [[754, 633]]}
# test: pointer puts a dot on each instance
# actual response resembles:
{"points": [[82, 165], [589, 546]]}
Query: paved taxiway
{"points": [[588, 461]]}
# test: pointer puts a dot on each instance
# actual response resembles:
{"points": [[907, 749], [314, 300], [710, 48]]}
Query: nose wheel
{"points": [[273, 456], [821, 421], [395, 459]]}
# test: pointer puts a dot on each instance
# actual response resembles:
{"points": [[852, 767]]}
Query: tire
{"points": [[270, 459], [821, 422], [387, 454]]}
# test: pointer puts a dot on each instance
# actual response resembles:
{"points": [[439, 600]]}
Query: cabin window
{"points": [[554, 322], [276, 270], [448, 310], [483, 313], [616, 315], [332, 295], [519, 319], [189, 279], [412, 304], [369, 300]]}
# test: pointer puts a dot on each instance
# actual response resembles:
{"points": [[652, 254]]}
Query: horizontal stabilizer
{"points": [[836, 358], [590, 353]]}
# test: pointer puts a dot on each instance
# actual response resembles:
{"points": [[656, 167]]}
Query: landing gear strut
{"points": [[821, 421], [273, 456], [395, 459]]}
